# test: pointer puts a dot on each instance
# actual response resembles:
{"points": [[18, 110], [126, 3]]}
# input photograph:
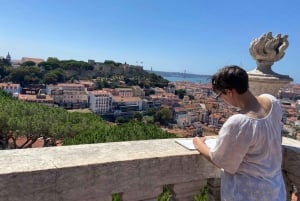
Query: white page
{"points": [[188, 143], [211, 142]]}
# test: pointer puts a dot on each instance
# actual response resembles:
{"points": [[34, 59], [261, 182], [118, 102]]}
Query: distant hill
{"points": [[177, 74]]}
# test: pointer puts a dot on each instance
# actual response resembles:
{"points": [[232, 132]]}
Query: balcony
{"points": [[136, 170]]}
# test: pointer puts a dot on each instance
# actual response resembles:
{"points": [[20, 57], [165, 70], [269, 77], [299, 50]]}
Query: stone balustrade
{"points": [[136, 170]]}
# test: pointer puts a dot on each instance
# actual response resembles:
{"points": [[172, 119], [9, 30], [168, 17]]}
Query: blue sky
{"points": [[196, 36]]}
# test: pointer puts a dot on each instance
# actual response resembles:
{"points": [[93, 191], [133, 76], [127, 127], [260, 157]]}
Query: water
{"points": [[200, 79]]}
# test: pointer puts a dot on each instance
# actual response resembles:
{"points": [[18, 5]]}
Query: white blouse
{"points": [[249, 152]]}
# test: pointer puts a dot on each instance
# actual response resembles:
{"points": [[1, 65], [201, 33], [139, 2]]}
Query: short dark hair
{"points": [[230, 77]]}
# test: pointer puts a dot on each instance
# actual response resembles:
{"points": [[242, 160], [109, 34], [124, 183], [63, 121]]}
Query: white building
{"points": [[127, 104], [100, 101], [11, 88]]}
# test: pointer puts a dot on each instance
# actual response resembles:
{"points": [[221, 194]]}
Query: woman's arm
{"points": [[199, 143]]}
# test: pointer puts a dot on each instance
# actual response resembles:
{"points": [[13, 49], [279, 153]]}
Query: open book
{"points": [[188, 143]]}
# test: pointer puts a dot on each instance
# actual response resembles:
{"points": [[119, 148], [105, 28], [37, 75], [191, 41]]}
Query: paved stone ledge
{"points": [[22, 160], [95, 171], [291, 144]]}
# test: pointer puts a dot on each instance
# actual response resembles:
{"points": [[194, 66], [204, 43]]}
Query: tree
{"points": [[138, 116], [150, 111], [162, 116], [4, 71], [180, 92], [50, 78], [4, 62], [76, 65], [28, 63], [191, 97], [53, 60], [121, 120], [26, 75], [48, 65], [61, 75], [122, 132]]}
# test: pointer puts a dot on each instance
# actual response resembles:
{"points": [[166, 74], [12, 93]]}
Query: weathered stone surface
{"points": [[142, 194], [96, 171], [265, 50], [187, 190], [261, 83], [291, 165], [196, 185]]}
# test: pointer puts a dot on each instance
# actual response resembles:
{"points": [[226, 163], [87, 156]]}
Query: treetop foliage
{"points": [[33, 121], [53, 71]]}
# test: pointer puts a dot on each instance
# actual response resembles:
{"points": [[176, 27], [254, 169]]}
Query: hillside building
{"points": [[100, 101]]}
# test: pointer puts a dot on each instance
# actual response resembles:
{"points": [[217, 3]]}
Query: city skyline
{"points": [[187, 36]]}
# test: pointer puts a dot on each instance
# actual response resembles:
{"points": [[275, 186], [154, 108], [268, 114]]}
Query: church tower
{"points": [[8, 58]]}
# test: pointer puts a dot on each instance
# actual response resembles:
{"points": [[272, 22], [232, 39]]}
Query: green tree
{"points": [[50, 78], [53, 60], [138, 116], [61, 75], [4, 62], [191, 97], [49, 65], [150, 111], [180, 92], [28, 63], [26, 75], [4, 71], [163, 116]]}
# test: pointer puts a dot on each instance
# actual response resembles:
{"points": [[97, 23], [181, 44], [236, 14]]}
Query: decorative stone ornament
{"points": [[266, 50]]}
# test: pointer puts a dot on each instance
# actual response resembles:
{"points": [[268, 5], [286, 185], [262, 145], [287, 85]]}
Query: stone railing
{"points": [[136, 170]]}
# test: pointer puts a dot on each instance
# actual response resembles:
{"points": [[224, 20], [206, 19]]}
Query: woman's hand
{"points": [[199, 143]]}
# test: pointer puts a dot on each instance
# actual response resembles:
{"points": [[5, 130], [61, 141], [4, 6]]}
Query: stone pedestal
{"points": [[270, 83], [266, 50]]}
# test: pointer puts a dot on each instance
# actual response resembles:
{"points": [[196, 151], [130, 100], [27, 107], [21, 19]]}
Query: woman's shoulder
{"points": [[274, 102], [268, 96], [237, 118]]}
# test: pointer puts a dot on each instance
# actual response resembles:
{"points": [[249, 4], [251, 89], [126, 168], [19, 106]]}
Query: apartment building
{"points": [[126, 104], [100, 101], [37, 98], [159, 91], [69, 95], [137, 91], [11, 88], [167, 99], [123, 92], [89, 85]]}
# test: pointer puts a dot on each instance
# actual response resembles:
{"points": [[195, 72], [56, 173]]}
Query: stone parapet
{"points": [[137, 170], [291, 165], [260, 83]]}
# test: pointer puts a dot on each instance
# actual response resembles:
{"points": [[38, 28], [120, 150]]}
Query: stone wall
{"points": [[291, 165], [137, 170]]}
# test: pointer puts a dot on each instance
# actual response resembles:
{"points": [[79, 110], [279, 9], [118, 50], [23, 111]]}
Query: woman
{"points": [[248, 148]]}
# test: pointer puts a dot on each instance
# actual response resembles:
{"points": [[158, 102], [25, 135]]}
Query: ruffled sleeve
{"points": [[233, 143]]}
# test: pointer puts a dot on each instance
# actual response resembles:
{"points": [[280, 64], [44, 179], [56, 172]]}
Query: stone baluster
{"points": [[291, 164], [214, 185]]}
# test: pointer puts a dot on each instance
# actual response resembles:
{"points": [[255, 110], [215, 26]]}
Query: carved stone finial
{"points": [[267, 49]]}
